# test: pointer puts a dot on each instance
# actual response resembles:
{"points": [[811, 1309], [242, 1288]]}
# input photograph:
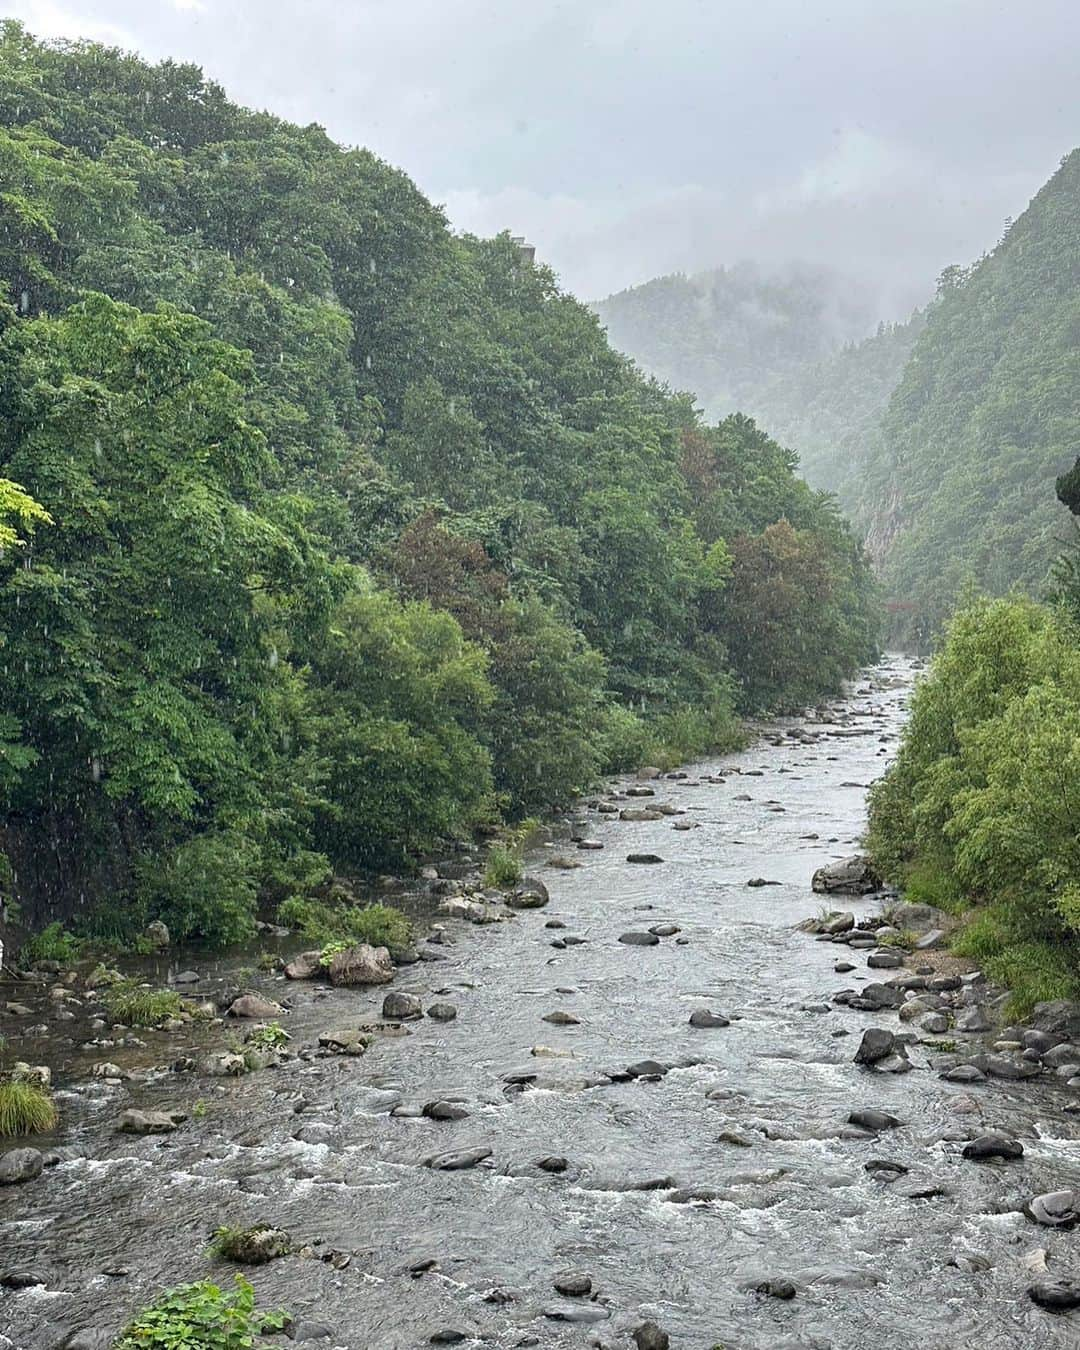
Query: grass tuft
{"points": [[137, 1005], [25, 1109]]}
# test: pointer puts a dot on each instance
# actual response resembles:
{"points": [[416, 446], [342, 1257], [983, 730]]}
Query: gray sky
{"points": [[628, 138]]}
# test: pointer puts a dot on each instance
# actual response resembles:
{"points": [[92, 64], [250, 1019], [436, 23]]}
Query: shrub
{"points": [[268, 1036], [249, 1246], [205, 889], [379, 925], [137, 1005], [201, 1315], [25, 1108], [53, 943], [504, 867]]}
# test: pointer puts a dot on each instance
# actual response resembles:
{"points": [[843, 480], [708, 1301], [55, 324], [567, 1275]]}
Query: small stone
{"points": [[783, 1289], [552, 1164], [635, 939], [646, 859], [442, 1012], [561, 1019], [663, 930]]}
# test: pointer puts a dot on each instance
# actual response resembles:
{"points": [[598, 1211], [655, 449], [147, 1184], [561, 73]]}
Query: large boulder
{"points": [[1060, 1018], [912, 918], [20, 1164], [253, 1005], [304, 966], [847, 876], [530, 894], [362, 964]]}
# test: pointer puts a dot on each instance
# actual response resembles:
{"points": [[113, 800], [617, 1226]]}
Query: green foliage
{"points": [[503, 867], [136, 1005], [201, 1315], [25, 1108], [359, 534], [979, 805], [203, 889], [53, 943], [345, 925], [267, 1036], [248, 1246]]}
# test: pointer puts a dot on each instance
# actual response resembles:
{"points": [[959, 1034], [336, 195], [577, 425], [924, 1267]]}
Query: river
{"points": [[753, 1114]]}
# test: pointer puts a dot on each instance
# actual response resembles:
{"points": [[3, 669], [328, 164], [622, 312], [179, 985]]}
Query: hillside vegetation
{"points": [[329, 534], [987, 415]]}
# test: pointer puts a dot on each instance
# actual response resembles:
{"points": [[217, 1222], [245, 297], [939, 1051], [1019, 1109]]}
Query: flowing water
{"points": [[872, 1268]]}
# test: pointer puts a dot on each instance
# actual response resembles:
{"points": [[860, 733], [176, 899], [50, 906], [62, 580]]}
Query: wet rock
{"points": [[561, 1019], [305, 966], [993, 1146], [835, 924], [1055, 1209], [1061, 1055], [842, 967], [573, 1283], [885, 959], [644, 858], [345, 1041], [973, 1020], [640, 792], [442, 1012], [149, 1122], [782, 1289], [530, 894], [705, 1017], [934, 1023], [664, 930], [919, 1188], [876, 1045], [304, 1330], [553, 1164], [640, 813], [636, 939], [648, 1336], [1056, 1295], [445, 1110], [577, 1314], [1061, 1017], [868, 1119], [647, 1068], [590, 846], [253, 1005], [224, 1064], [964, 1073], [361, 965], [848, 876], [449, 1336], [457, 1161], [20, 1164], [401, 1007]]}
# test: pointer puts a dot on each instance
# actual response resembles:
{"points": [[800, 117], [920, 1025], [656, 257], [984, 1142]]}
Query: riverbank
{"points": [[678, 1166]]}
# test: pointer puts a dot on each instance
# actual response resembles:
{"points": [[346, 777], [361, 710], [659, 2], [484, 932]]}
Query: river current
{"points": [[751, 1116]]}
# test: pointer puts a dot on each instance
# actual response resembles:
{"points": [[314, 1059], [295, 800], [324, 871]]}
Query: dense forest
{"points": [[984, 420], [978, 814], [328, 534], [727, 334]]}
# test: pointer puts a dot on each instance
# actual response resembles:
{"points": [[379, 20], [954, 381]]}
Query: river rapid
{"points": [[752, 1117]]}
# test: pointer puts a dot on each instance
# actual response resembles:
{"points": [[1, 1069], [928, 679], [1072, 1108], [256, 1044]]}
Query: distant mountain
{"points": [[725, 333], [960, 484]]}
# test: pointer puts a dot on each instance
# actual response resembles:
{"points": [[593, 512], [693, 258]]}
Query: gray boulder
{"points": [[20, 1164], [848, 876], [361, 965]]}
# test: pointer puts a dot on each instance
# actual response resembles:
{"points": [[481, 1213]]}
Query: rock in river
{"points": [[646, 858], [573, 1283], [253, 1005], [869, 1119], [993, 1146], [304, 966], [442, 1012], [705, 1017], [1056, 1295], [848, 876], [648, 1336], [530, 894], [20, 1164], [1056, 1209], [400, 1007], [876, 1045], [457, 1161], [149, 1122], [635, 939], [362, 964]]}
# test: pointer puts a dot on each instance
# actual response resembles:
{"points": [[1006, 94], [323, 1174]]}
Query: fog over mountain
{"points": [[630, 140]]}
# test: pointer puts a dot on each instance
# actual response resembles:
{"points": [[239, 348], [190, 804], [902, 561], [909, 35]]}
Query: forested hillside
{"points": [[830, 411], [986, 416], [329, 534], [724, 335]]}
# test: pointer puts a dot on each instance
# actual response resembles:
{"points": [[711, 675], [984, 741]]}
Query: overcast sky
{"points": [[628, 138]]}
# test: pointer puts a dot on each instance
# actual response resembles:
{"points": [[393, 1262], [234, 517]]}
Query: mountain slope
{"points": [[986, 416]]}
